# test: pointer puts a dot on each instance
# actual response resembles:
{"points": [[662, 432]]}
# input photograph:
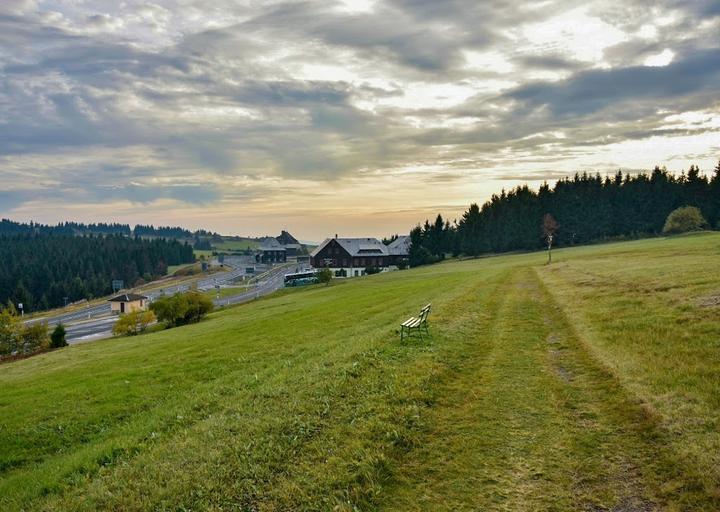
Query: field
{"points": [[592, 384], [226, 291], [237, 245]]}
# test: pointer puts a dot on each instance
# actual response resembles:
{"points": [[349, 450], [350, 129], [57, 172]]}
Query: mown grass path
{"points": [[530, 421]]}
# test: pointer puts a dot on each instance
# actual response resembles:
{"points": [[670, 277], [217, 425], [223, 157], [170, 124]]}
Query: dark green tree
{"points": [[57, 338]]}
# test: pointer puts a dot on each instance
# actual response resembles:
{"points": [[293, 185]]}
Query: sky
{"points": [[355, 117]]}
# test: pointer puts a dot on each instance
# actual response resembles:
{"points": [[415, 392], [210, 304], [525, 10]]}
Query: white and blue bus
{"points": [[301, 278]]}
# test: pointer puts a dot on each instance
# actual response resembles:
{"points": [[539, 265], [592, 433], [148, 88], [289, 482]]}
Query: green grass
{"points": [[237, 245], [590, 384], [227, 291], [174, 268], [199, 253]]}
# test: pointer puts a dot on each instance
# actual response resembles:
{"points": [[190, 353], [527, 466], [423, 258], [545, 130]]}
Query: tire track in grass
{"points": [[638, 461], [530, 422]]}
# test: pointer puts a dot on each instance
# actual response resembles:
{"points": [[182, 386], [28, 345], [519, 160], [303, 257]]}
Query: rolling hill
{"points": [[589, 384]]}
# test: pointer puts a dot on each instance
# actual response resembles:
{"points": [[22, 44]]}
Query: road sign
{"points": [[117, 285]]}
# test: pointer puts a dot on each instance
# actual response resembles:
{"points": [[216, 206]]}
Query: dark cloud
{"points": [[590, 91]]}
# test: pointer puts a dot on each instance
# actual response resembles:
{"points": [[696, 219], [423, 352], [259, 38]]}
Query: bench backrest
{"points": [[424, 312]]}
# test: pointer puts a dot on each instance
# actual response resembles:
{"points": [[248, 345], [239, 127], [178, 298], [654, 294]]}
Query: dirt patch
{"points": [[710, 301], [552, 338], [566, 375], [626, 505]]}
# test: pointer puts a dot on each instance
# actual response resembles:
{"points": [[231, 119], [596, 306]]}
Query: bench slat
{"points": [[411, 322]]}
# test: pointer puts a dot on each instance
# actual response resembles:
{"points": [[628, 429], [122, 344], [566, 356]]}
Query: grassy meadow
{"points": [[237, 245], [592, 384]]}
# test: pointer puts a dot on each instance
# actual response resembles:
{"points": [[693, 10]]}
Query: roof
{"points": [[127, 297], [286, 238], [270, 244], [356, 246], [400, 246]]}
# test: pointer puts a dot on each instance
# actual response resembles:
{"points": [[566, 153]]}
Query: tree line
{"points": [[586, 207], [162, 231], [10, 227], [41, 270]]}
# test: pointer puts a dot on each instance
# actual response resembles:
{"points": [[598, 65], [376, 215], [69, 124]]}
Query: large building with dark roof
{"points": [[351, 256], [399, 250], [271, 251]]}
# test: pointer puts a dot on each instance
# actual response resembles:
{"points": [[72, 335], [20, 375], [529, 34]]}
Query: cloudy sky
{"points": [[348, 116]]}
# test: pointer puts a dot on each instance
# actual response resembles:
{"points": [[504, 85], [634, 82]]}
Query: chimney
{"points": [[335, 236]]}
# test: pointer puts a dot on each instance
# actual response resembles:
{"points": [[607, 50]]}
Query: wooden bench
{"points": [[416, 323]]}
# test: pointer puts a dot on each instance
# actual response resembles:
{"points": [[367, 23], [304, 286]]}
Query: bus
{"points": [[300, 278]]}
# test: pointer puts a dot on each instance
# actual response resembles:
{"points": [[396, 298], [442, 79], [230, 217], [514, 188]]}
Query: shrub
{"points": [[324, 276], [16, 337], [372, 270], [182, 308], [684, 219], [133, 323], [34, 338], [57, 338], [9, 330]]}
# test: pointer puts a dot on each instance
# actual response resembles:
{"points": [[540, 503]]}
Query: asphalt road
{"points": [[103, 309], [79, 331]]}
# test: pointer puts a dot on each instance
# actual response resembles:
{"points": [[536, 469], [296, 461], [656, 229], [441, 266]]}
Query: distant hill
{"points": [[42, 270]]}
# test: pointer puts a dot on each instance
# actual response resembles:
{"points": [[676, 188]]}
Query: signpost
{"points": [[20, 307], [117, 285]]}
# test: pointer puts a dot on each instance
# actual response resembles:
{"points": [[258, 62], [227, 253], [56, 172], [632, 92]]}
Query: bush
{"points": [[34, 338], [182, 308], [324, 276], [372, 270], [57, 338], [133, 323], [18, 338], [684, 219], [9, 330]]}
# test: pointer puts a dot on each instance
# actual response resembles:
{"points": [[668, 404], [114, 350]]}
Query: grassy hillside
{"points": [[237, 245], [591, 384]]}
